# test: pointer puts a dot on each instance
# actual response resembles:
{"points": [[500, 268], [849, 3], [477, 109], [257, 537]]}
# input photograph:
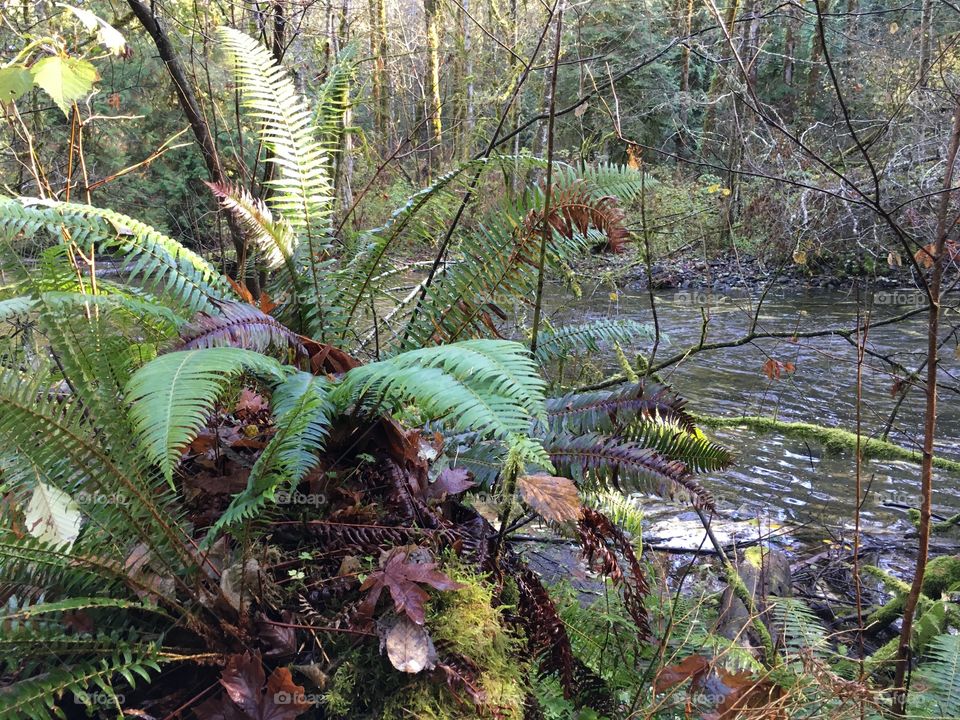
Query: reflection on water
{"points": [[782, 477]]}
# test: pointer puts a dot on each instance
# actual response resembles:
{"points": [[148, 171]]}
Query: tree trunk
{"points": [[378, 50], [929, 420], [435, 123], [719, 73], [816, 59], [790, 46], [683, 133], [191, 108], [926, 40], [468, 56], [752, 45], [343, 185]]}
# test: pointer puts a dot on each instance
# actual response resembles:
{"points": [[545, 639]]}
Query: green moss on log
{"points": [[942, 573], [833, 440]]}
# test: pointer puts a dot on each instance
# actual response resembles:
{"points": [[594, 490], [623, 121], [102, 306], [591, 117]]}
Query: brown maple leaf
{"points": [[249, 695], [450, 481], [403, 578]]}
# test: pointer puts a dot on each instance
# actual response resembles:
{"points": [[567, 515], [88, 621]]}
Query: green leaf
{"points": [[15, 81], [174, 394], [64, 79], [52, 516]]}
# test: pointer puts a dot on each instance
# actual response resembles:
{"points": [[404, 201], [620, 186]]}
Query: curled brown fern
{"points": [[546, 634], [601, 540], [574, 209]]}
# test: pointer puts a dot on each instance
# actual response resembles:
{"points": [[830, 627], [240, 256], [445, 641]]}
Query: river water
{"points": [[787, 480]]}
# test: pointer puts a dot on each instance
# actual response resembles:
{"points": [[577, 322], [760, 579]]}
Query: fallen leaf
{"points": [[266, 304], [280, 640], [403, 578], [241, 290], [450, 481], [896, 386], [250, 403], [741, 691], [554, 498], [248, 696], [926, 256], [409, 646], [240, 582], [692, 667], [729, 693]]}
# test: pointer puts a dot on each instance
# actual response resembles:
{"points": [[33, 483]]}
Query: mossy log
{"points": [[942, 573], [833, 440]]}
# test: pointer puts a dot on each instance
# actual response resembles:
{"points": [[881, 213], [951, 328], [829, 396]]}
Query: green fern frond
{"points": [[156, 262], [494, 266], [488, 386], [303, 411], [800, 629], [301, 190], [484, 460], [39, 696], [692, 448], [595, 460], [617, 409], [76, 455], [332, 100], [589, 337], [942, 671], [272, 237], [172, 396], [620, 181], [624, 511], [423, 216], [33, 567], [24, 612]]}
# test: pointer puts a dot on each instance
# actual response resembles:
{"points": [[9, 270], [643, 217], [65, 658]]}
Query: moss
{"points": [[833, 440], [942, 574], [338, 699], [895, 585], [467, 622], [883, 657], [754, 556], [937, 527], [886, 614]]}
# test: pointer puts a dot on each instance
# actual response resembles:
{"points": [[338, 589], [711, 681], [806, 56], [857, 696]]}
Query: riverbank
{"points": [[738, 272]]}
